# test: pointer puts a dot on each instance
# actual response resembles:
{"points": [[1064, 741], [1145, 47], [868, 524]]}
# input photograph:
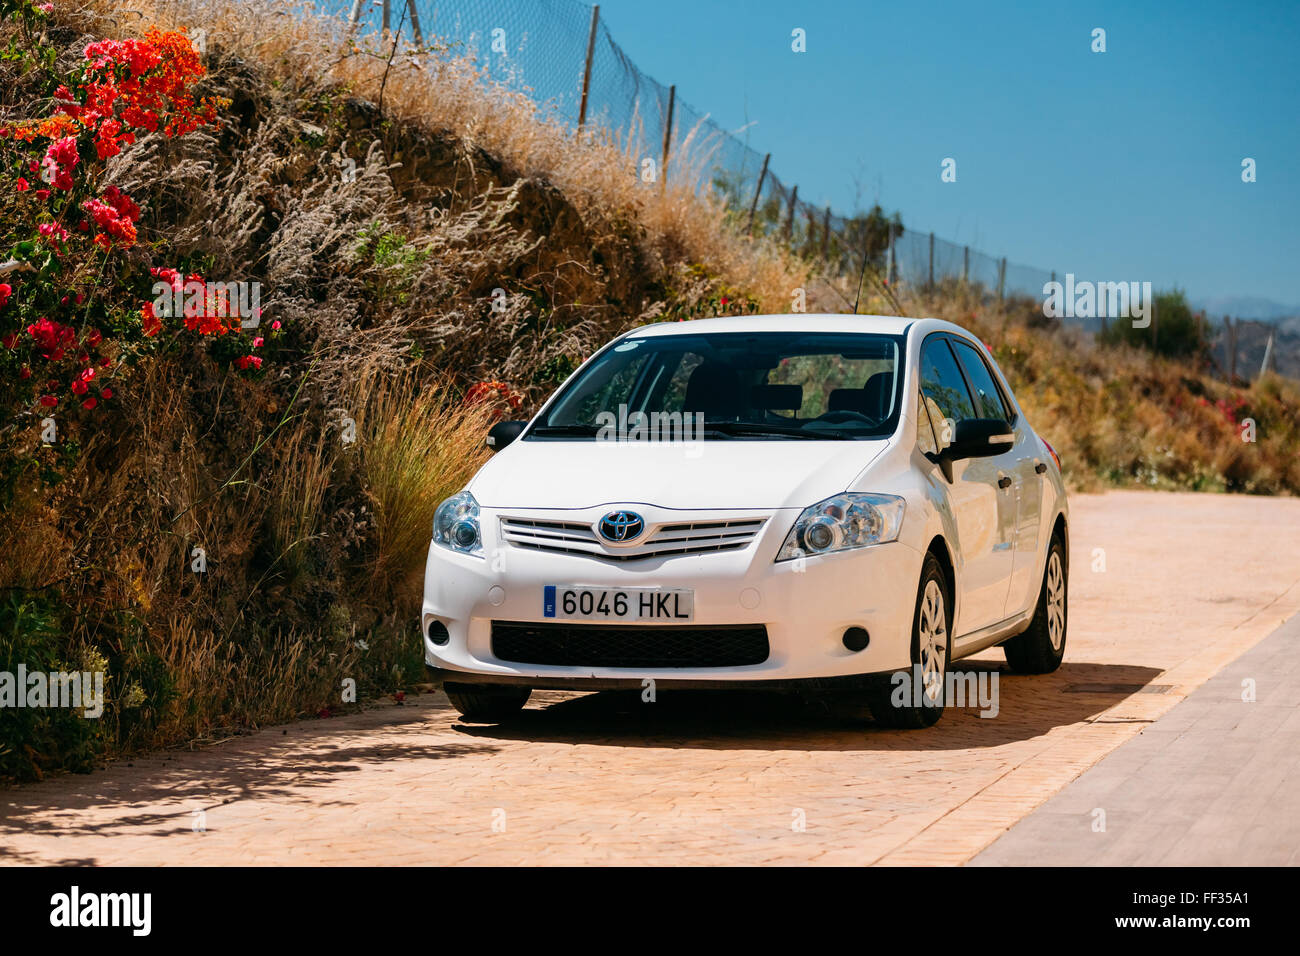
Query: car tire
{"points": [[1040, 647], [894, 702], [487, 703]]}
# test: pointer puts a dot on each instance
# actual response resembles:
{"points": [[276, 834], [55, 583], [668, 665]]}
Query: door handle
{"points": [[1004, 481], [1041, 467]]}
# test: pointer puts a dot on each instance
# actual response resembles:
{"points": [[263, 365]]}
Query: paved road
{"points": [[1211, 783], [1166, 591]]}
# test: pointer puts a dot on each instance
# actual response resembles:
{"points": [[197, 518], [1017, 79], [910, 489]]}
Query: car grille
{"points": [[601, 645], [574, 537]]}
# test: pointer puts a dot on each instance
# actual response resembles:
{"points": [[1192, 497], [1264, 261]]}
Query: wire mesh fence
{"points": [[555, 50]]}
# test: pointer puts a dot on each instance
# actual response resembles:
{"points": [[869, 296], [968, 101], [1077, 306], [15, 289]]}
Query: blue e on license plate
{"points": [[618, 604]]}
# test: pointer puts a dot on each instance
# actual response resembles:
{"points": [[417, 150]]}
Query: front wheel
{"points": [[915, 699], [487, 703], [1039, 649]]}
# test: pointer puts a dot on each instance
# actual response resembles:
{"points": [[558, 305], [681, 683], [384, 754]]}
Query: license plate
{"points": [[618, 604]]}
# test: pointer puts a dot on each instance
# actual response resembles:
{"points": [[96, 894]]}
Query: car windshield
{"points": [[716, 386]]}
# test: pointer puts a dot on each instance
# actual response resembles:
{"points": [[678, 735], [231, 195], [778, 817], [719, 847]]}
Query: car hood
{"points": [[739, 474]]}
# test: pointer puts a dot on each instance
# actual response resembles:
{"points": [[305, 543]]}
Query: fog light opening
{"points": [[856, 639], [437, 632]]}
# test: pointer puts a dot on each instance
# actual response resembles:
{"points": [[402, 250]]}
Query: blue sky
{"points": [[1123, 165]]}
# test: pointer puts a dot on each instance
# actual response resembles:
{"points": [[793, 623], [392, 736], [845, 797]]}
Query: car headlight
{"points": [[842, 523], [455, 524]]}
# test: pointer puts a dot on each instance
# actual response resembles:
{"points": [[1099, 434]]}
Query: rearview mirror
{"points": [[503, 433]]}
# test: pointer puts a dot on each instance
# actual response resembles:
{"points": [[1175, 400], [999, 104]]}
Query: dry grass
{"points": [[452, 96], [417, 447]]}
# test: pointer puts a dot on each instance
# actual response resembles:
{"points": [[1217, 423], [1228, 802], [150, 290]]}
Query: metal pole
{"points": [[387, 11], [668, 134], [586, 69], [789, 216], [931, 260], [355, 15], [1002, 277], [1268, 354], [415, 23], [757, 192], [826, 234]]}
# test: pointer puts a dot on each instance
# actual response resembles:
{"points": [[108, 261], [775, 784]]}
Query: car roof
{"points": [[797, 322]]}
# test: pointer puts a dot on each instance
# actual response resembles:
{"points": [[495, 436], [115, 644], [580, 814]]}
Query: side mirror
{"points": [[976, 438], [980, 438], [503, 433]]}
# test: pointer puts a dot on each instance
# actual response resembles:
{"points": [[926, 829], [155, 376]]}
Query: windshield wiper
{"points": [[578, 429], [784, 431]]}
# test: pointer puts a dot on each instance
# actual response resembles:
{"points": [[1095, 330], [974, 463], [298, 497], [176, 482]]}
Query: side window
{"points": [[986, 388], [944, 389]]}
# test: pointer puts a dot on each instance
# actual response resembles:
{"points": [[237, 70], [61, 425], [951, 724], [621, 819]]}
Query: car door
{"points": [[983, 505], [1026, 467]]}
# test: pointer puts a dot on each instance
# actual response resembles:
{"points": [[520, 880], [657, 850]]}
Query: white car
{"points": [[829, 503]]}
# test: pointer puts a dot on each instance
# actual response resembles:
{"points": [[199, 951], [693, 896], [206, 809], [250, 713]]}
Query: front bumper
{"points": [[805, 607]]}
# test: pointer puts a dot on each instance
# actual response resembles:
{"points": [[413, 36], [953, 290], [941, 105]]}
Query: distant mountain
{"points": [[1251, 307]]}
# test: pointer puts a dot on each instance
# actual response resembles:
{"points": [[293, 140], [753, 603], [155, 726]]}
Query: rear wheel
{"points": [[1039, 649], [914, 699], [489, 703]]}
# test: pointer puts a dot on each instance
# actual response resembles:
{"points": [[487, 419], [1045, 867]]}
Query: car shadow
{"points": [[1027, 706]]}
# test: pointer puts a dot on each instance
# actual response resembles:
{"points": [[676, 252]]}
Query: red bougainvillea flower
{"points": [[149, 320], [51, 337], [24, 373], [245, 361], [94, 337], [9, 340], [106, 393], [6, 290], [170, 276], [60, 160], [42, 194], [116, 214], [49, 401], [89, 403], [78, 387], [21, 185]]}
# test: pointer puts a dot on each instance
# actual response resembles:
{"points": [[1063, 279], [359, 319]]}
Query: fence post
{"points": [[668, 135], [789, 216], [889, 259], [931, 260], [826, 235], [965, 265], [586, 69], [415, 23], [387, 7], [1002, 277], [758, 191], [1232, 348], [355, 16]]}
